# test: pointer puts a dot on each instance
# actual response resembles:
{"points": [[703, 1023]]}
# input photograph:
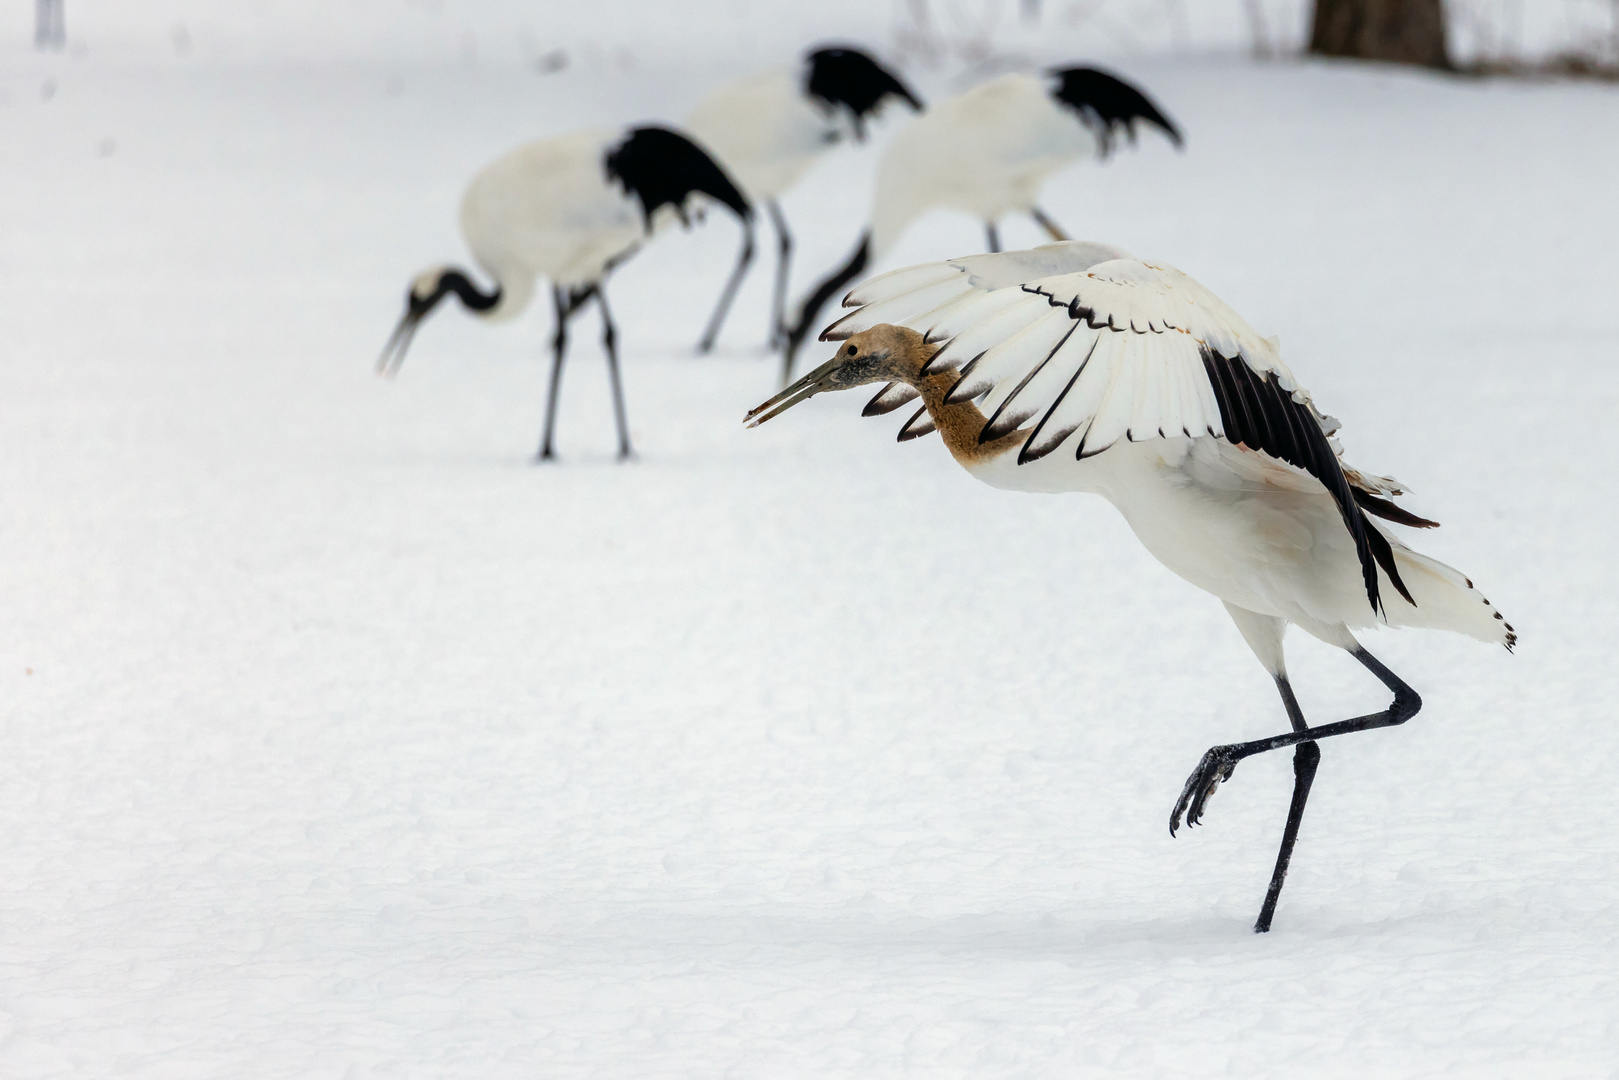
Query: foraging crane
{"points": [[987, 152], [767, 129], [569, 209], [1166, 403]]}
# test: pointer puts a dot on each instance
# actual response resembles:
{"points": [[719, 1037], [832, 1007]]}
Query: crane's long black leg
{"points": [[559, 347], [717, 320], [1042, 219], [784, 256], [1219, 762], [992, 235], [610, 343], [1306, 757]]}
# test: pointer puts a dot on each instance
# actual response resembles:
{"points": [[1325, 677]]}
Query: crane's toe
{"points": [[1215, 769]]}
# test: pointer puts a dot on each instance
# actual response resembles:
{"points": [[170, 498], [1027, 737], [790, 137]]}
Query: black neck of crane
{"points": [[845, 77], [825, 291], [454, 281], [660, 167], [1107, 104]]}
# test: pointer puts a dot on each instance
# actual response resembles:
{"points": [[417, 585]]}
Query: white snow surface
{"points": [[342, 741]]}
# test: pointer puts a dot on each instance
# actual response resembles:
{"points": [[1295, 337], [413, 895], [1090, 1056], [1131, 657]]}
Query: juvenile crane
{"points": [[1077, 367], [987, 152], [769, 128], [568, 209]]}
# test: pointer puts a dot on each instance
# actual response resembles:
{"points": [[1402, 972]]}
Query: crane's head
{"points": [[426, 290], [886, 353]]}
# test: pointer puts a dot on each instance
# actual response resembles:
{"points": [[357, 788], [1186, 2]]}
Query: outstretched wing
{"points": [[1082, 345]]}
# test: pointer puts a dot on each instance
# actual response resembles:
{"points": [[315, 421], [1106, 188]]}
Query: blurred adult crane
{"points": [[987, 152], [568, 209], [1165, 402], [769, 128]]}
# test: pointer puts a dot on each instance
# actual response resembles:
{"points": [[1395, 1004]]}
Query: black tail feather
{"points": [[1108, 104], [1385, 558], [1390, 512]]}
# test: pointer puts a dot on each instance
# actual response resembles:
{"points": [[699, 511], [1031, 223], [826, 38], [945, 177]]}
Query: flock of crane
{"points": [[1162, 399]]}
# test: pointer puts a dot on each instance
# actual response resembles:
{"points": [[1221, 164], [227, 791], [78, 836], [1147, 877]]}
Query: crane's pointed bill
{"points": [[393, 353], [802, 390]]}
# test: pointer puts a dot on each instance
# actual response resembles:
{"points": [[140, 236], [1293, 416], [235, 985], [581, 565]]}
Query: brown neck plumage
{"points": [[958, 424]]}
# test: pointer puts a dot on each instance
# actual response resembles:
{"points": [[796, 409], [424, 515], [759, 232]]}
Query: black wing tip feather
{"points": [[920, 424], [1258, 413], [889, 398]]}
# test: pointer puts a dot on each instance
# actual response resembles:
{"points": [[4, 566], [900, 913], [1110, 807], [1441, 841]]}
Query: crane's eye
{"points": [[853, 349]]}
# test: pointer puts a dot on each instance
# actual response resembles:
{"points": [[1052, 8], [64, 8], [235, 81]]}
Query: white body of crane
{"points": [[1076, 367], [986, 152], [568, 209], [766, 131]]}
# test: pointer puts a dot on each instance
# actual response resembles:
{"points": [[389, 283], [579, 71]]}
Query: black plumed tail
{"points": [[844, 76], [661, 167], [1389, 512], [1108, 104], [1258, 413]]}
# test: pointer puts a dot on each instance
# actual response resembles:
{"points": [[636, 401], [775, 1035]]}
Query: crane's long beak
{"points": [[802, 390], [393, 353]]}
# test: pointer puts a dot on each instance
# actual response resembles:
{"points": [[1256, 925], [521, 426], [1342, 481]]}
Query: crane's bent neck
{"points": [[467, 291], [514, 288]]}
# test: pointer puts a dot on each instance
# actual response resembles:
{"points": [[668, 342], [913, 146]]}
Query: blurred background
{"points": [[641, 32], [340, 739]]}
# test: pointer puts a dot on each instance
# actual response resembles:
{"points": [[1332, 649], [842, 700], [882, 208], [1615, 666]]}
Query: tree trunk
{"points": [[1398, 31], [49, 30]]}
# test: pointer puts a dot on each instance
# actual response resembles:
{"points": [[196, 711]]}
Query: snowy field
{"points": [[342, 741]]}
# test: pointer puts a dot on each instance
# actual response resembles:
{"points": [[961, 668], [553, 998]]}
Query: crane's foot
{"points": [[545, 457], [1215, 769], [625, 454]]}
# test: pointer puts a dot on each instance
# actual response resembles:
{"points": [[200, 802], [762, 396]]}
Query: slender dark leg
{"points": [[993, 236], [559, 347], [784, 256], [1306, 757], [1220, 761], [610, 343], [1042, 219], [717, 320]]}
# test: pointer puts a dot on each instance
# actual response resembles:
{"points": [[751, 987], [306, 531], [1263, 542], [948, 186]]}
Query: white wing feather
{"points": [[1093, 345], [1082, 338]]}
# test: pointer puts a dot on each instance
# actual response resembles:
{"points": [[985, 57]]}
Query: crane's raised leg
{"points": [[1042, 219], [610, 343], [1220, 761], [564, 306], [717, 320], [784, 256], [992, 236]]}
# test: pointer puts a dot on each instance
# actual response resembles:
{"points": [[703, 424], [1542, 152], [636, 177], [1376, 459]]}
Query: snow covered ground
{"points": [[341, 741]]}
